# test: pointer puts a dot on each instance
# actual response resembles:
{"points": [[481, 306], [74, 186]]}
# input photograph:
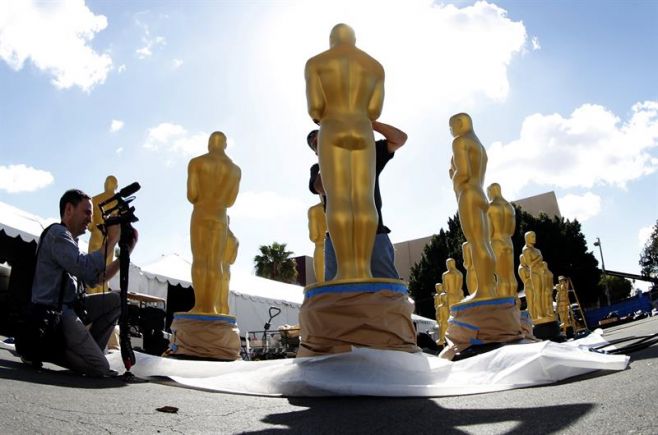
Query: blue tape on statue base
{"points": [[464, 325], [489, 302], [201, 318], [366, 287]]}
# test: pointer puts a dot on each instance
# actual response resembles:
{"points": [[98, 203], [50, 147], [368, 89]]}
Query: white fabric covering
{"points": [[386, 373]]}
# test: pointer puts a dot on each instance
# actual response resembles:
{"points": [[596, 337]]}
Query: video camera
{"points": [[118, 207]]}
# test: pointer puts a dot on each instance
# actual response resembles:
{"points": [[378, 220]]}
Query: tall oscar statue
{"points": [[96, 237], [471, 278], [345, 94], [535, 275], [502, 223], [484, 318], [317, 228], [453, 282], [208, 330], [442, 312]]}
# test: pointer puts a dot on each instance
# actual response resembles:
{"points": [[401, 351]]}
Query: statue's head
{"points": [[466, 250], [493, 191], [217, 142], [342, 34], [450, 263], [530, 237], [460, 124], [438, 287], [111, 183]]}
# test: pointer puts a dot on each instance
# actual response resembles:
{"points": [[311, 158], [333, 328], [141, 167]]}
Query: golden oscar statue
{"points": [[345, 94], [535, 275], [547, 296], [208, 330], [96, 237], [502, 223], [484, 316], [442, 312], [471, 279], [317, 228], [453, 282], [562, 302]]}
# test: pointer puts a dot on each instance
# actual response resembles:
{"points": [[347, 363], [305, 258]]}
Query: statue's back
{"points": [[350, 80]]}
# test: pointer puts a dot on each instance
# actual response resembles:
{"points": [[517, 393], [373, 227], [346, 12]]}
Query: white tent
{"points": [[19, 223], [250, 297]]}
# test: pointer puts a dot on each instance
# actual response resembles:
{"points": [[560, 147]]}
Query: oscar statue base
{"points": [[548, 331], [482, 324], [337, 315], [204, 336]]}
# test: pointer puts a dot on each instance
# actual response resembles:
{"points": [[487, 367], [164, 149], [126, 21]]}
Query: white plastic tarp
{"points": [[374, 372]]}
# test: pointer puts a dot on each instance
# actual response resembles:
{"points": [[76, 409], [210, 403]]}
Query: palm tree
{"points": [[275, 263]]}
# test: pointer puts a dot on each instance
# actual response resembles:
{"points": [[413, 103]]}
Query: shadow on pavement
{"points": [[648, 353], [414, 415], [17, 371]]}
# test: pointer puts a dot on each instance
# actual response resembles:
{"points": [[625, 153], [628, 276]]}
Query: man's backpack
{"points": [[39, 334]]}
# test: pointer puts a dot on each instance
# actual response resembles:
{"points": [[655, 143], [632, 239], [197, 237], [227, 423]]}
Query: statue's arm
{"points": [[236, 187], [376, 104], [314, 94], [192, 183], [462, 167]]}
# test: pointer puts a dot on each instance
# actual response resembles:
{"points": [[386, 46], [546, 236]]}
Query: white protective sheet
{"points": [[373, 372]]}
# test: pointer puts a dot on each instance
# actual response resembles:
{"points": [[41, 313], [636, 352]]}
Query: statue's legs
{"points": [[208, 239], [475, 225], [347, 165], [506, 281]]}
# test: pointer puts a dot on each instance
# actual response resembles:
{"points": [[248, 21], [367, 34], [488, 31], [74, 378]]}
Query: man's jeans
{"points": [[382, 263]]}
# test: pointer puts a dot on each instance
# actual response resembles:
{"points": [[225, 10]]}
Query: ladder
{"points": [[578, 326]]}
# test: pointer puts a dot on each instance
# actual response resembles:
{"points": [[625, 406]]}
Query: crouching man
{"points": [[61, 267]]}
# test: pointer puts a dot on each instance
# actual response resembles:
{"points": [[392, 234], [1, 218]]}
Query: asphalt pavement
{"points": [[54, 400]]}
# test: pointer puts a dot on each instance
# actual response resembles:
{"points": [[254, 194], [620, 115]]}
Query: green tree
{"points": [[275, 263], [561, 241], [619, 288], [649, 257]]}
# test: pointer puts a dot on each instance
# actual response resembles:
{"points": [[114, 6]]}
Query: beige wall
{"points": [[538, 204], [407, 254]]}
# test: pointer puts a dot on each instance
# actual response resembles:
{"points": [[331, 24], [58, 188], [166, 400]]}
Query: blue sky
{"points": [[563, 95]]}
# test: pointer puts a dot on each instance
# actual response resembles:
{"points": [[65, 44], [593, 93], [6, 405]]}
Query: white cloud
{"points": [[535, 43], [590, 147], [581, 207], [149, 42], [643, 235], [116, 125], [21, 178], [121, 68], [119, 150], [266, 205], [464, 52], [176, 63], [54, 36], [175, 138]]}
